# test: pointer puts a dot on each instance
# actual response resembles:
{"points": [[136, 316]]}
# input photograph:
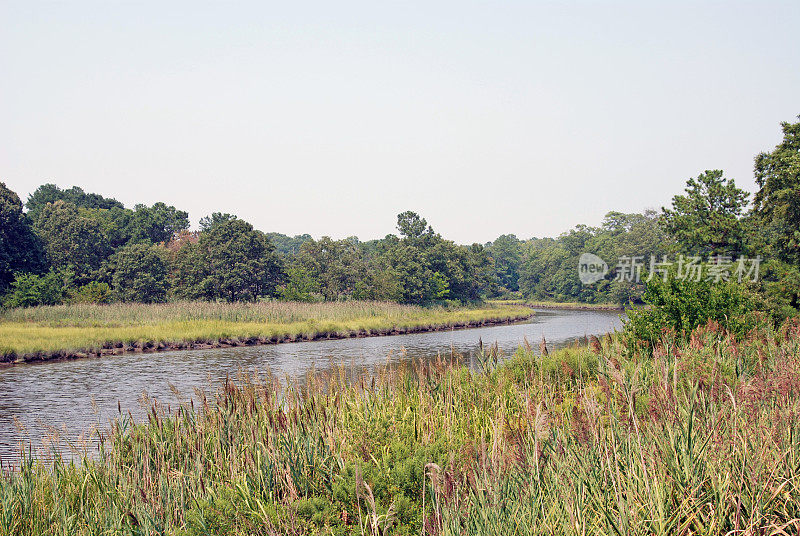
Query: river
{"points": [[71, 398]]}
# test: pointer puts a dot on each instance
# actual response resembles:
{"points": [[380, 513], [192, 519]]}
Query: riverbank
{"points": [[569, 306], [69, 332], [575, 306], [586, 440]]}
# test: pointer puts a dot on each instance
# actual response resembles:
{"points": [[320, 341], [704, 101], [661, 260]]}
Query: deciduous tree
{"points": [[20, 248], [139, 273], [72, 240]]}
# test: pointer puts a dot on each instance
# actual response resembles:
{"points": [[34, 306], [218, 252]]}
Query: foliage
{"points": [[50, 193], [777, 202], [20, 248], [506, 251], [335, 266], [29, 289], [706, 220], [114, 222], [429, 268], [550, 266], [288, 245], [779, 290], [229, 260], [676, 306], [299, 286], [122, 226], [239, 262], [156, 224], [413, 227], [550, 272], [139, 273], [72, 240], [92, 292], [217, 218], [187, 269]]}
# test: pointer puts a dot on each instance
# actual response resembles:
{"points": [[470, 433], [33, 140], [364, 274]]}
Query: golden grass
{"points": [[570, 305], [80, 328]]}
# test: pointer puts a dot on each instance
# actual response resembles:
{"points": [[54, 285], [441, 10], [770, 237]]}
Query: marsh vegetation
{"points": [[54, 331], [701, 437]]}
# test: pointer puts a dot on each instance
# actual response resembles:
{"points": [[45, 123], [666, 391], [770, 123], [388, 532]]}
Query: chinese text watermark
{"points": [[715, 268]]}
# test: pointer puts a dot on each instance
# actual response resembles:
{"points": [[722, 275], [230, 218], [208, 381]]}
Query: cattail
{"points": [[594, 344]]}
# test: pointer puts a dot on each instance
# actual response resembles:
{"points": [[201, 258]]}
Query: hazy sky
{"points": [[330, 118]]}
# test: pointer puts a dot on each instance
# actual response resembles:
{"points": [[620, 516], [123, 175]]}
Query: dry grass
{"points": [[572, 305]]}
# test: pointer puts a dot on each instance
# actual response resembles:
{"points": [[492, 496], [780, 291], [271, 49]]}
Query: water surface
{"points": [[74, 397]]}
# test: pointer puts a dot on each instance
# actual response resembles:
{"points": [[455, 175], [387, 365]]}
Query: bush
{"points": [[680, 305], [29, 290], [92, 292]]}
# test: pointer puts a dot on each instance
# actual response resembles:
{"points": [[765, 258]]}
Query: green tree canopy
{"points": [[506, 251], [707, 220], [230, 261], [29, 289], [336, 265], [424, 267], [412, 226], [156, 224], [777, 201], [550, 266], [288, 245], [208, 222], [71, 239], [20, 248], [139, 273], [50, 193]]}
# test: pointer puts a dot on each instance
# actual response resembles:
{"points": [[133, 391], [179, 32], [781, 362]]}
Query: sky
{"points": [[331, 118]]}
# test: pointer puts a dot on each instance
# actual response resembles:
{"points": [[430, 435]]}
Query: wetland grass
{"points": [[76, 330], [701, 437]]}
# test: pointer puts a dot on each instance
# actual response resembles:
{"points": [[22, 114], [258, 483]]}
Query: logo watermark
{"points": [[715, 268], [591, 268]]}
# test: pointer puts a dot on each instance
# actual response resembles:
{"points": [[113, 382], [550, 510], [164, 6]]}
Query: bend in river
{"points": [[71, 398]]}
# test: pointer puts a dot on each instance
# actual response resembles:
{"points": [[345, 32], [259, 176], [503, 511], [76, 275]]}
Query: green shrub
{"points": [[92, 292], [30, 289], [680, 305]]}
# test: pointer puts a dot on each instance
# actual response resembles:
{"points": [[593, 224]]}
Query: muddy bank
{"points": [[120, 348]]}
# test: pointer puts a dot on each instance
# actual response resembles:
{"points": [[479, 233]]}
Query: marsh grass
{"points": [[702, 437], [82, 315], [570, 305], [88, 327]]}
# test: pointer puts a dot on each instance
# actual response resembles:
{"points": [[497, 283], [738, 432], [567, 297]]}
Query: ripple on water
{"points": [[69, 399]]}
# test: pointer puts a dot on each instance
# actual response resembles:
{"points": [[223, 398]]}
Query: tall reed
{"points": [[700, 438]]}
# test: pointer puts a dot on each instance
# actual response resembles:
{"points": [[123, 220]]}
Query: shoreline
{"points": [[577, 306], [149, 347]]}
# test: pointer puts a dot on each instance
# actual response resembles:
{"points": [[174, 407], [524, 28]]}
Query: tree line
{"points": [[67, 245], [70, 246]]}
